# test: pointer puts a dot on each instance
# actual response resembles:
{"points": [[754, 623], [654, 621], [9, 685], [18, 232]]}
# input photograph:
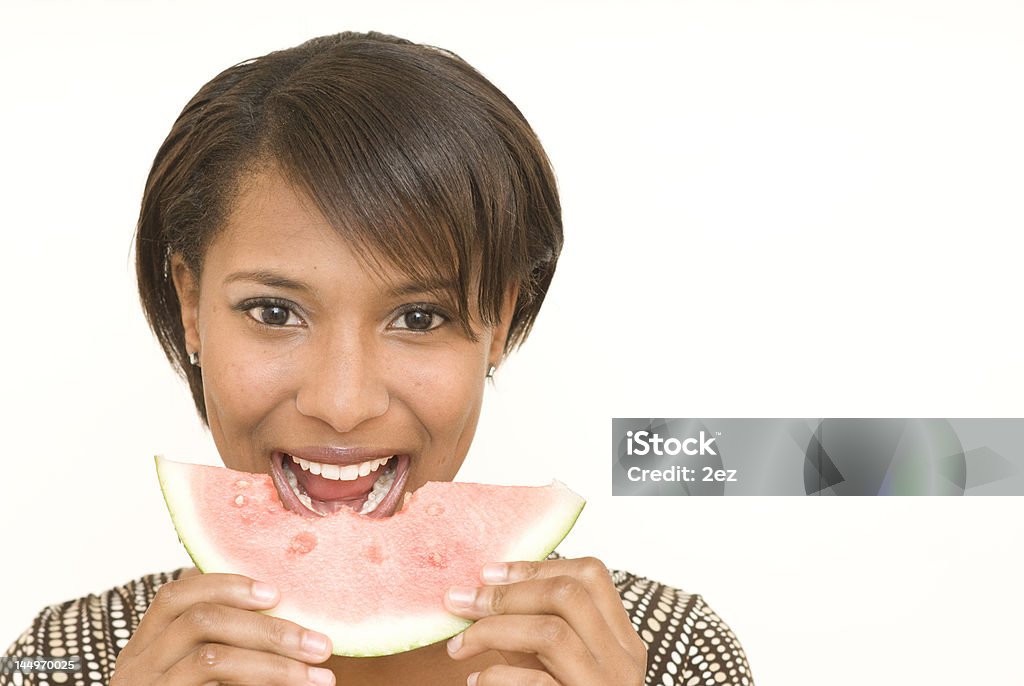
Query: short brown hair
{"points": [[406, 149]]}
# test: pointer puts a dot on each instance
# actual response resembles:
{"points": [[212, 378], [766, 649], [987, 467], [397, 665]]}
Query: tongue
{"points": [[331, 489]]}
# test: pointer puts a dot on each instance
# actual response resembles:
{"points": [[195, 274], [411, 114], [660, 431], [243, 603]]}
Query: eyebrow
{"points": [[413, 287], [268, 279], [274, 280]]}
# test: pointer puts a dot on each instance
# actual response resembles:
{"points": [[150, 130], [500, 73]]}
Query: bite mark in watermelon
{"points": [[375, 586]]}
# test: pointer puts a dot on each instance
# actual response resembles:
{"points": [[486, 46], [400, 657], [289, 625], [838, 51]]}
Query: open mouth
{"points": [[371, 488]]}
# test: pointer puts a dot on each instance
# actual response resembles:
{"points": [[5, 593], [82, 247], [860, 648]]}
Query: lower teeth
{"points": [[380, 489]]}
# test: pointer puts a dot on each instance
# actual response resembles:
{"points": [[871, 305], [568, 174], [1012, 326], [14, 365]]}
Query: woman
{"points": [[338, 244]]}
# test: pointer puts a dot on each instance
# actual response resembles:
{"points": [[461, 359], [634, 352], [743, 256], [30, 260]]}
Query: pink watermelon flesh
{"points": [[375, 586]]}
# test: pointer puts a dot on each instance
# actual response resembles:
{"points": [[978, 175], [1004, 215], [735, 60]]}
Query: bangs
{"points": [[377, 152]]}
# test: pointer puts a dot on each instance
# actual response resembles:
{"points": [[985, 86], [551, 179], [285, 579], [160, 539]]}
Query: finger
{"points": [[504, 675], [558, 648], [207, 623], [562, 596], [591, 572], [175, 597], [213, 663]]}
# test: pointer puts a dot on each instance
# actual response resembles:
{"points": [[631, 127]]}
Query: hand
{"points": [[558, 622], [204, 629]]}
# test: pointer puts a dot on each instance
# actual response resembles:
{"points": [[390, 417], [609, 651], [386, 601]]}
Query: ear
{"points": [[500, 333], [186, 283]]}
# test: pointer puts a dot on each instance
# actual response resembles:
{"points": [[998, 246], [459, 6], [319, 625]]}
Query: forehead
{"points": [[267, 209], [269, 216], [275, 229]]}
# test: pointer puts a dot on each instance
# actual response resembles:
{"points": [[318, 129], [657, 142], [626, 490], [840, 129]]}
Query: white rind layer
{"points": [[381, 635], [187, 522]]}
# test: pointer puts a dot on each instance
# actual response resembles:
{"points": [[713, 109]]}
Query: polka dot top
{"points": [[687, 643]]}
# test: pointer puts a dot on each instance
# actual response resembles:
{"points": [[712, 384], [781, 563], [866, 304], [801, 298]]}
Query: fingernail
{"points": [[314, 643], [320, 676], [494, 573], [471, 680], [262, 592], [462, 596], [455, 644]]}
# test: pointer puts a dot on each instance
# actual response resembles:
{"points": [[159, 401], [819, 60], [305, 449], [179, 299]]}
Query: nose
{"points": [[342, 383]]}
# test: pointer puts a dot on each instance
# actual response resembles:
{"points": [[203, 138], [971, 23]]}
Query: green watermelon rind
{"points": [[379, 636]]}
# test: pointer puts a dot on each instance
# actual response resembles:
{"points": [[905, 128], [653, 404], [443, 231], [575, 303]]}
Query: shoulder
{"points": [[94, 628], [687, 643]]}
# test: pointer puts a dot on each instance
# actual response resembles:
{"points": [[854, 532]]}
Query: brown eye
{"points": [[274, 315], [271, 313], [419, 319]]}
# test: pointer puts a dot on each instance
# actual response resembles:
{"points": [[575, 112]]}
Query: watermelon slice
{"points": [[375, 586]]}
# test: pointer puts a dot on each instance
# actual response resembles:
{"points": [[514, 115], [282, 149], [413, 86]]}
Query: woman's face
{"points": [[346, 385]]}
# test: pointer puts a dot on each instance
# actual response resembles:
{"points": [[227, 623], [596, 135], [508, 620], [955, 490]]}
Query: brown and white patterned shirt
{"points": [[687, 643]]}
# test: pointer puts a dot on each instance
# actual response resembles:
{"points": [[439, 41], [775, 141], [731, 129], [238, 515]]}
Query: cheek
{"points": [[237, 390], [446, 396], [242, 385]]}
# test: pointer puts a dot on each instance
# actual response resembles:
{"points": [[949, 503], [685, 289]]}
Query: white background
{"points": [[772, 209]]}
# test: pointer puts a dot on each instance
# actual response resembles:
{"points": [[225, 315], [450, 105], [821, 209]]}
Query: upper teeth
{"points": [[338, 472]]}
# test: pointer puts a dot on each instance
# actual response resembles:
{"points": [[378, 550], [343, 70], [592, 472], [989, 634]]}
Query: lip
{"points": [[341, 456], [387, 507]]}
